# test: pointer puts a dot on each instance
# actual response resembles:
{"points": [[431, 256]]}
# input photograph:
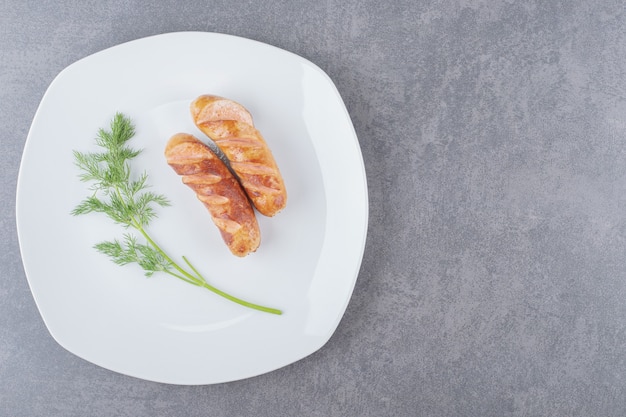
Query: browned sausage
{"points": [[209, 108], [217, 189], [244, 146], [253, 162]]}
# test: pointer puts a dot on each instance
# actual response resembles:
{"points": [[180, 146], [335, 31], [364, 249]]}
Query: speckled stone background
{"points": [[494, 276]]}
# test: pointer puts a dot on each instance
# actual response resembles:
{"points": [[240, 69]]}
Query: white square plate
{"points": [[160, 328]]}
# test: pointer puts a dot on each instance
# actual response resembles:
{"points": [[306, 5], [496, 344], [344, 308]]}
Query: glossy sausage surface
{"points": [[249, 155], [209, 108], [217, 189]]}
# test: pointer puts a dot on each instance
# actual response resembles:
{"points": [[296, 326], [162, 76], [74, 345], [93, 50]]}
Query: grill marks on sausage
{"points": [[217, 189], [228, 197], [208, 108], [252, 161]]}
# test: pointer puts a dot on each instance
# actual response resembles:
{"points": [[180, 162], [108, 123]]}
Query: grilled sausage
{"points": [[245, 148], [217, 189], [209, 108], [252, 161]]}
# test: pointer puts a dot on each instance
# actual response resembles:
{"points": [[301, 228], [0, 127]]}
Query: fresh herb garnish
{"points": [[126, 202]]}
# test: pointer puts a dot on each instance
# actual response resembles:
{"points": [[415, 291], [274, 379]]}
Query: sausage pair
{"points": [[227, 198]]}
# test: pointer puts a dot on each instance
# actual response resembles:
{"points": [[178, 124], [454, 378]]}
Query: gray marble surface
{"points": [[494, 276]]}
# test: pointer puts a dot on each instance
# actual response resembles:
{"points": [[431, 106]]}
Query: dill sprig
{"points": [[128, 203]]}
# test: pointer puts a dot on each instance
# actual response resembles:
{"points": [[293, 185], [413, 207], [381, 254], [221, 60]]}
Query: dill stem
{"points": [[199, 279], [240, 301], [174, 274], [201, 282], [230, 297]]}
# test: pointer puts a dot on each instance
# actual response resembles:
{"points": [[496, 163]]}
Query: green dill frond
{"points": [[121, 131], [130, 251], [143, 206], [150, 260], [136, 186], [90, 165], [119, 210], [159, 199], [115, 251], [109, 173], [89, 205], [122, 128]]}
